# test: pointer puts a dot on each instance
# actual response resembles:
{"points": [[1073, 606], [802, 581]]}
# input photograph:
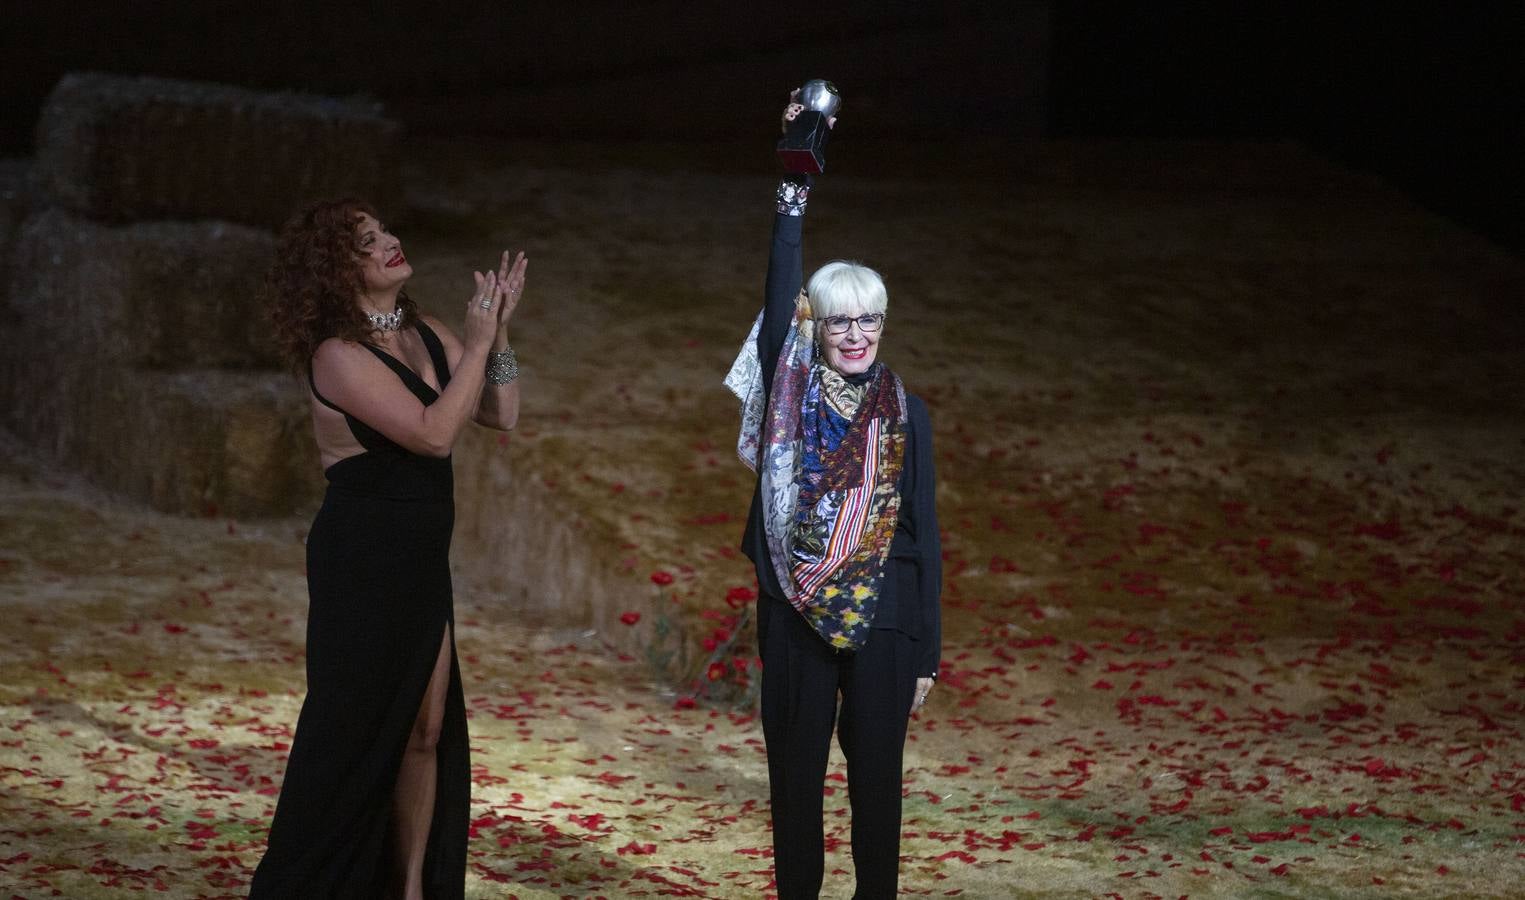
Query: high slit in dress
{"points": [[378, 576]]}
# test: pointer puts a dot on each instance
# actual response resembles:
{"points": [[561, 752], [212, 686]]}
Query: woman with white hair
{"points": [[843, 533]]}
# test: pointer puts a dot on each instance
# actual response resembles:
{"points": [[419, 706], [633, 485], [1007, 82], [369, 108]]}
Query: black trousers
{"points": [[802, 678]]}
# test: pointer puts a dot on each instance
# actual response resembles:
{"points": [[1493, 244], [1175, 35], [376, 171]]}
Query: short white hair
{"points": [[846, 288]]}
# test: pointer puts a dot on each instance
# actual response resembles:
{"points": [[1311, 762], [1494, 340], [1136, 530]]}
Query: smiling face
{"points": [[853, 351], [847, 292], [382, 266]]}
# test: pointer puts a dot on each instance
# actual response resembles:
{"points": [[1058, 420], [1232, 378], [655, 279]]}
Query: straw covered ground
{"points": [[1230, 448]]}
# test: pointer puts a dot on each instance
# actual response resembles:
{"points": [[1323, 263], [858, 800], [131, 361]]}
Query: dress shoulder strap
{"points": [[414, 382], [313, 385], [392, 362], [436, 350]]}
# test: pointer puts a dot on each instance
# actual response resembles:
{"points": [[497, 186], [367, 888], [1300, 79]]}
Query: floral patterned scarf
{"points": [[829, 455]]}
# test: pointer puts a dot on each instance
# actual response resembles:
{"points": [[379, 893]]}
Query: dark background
{"points": [[1426, 96]]}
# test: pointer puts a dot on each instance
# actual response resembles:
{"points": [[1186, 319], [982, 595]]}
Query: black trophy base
{"points": [[803, 147]]}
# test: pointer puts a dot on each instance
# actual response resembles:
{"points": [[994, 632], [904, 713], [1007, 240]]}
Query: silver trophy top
{"points": [[820, 95]]}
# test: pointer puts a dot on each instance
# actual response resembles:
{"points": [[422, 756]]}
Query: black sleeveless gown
{"points": [[378, 577]]}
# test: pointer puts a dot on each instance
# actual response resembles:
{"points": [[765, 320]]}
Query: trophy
{"points": [[803, 147]]}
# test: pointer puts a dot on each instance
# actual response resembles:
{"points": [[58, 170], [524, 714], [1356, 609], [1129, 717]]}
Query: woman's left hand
{"points": [[510, 285], [923, 688]]}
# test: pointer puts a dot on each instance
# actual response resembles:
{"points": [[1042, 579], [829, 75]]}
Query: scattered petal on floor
{"points": [[1234, 586]]}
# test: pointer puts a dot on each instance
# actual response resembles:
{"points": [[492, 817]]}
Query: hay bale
{"points": [[159, 295], [215, 442], [120, 149], [209, 442], [141, 357]]}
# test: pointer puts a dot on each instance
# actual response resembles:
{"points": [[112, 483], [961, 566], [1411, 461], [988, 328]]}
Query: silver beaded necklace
{"points": [[391, 321]]}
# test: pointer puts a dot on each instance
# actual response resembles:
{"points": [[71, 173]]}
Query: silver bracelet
{"points": [[793, 194], [502, 367]]}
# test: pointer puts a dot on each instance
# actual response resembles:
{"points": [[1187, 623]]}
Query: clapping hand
{"points": [[509, 285]]}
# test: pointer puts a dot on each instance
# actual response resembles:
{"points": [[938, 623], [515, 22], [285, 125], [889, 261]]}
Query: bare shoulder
{"points": [[335, 357], [337, 351]]}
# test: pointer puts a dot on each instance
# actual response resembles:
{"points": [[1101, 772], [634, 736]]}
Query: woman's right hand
{"points": [[793, 110], [482, 312]]}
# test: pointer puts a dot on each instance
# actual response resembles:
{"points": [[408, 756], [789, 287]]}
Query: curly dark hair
{"points": [[315, 278]]}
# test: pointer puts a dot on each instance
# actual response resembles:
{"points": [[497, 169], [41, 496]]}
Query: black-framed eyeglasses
{"points": [[868, 323]]}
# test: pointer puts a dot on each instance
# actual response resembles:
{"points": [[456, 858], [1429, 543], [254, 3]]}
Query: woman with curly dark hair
{"points": [[377, 789]]}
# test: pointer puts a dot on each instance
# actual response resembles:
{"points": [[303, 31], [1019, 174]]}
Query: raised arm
{"points": [[785, 269], [785, 272], [499, 406], [354, 380]]}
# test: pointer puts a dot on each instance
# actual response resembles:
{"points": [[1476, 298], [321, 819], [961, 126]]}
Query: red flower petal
{"points": [[737, 597]]}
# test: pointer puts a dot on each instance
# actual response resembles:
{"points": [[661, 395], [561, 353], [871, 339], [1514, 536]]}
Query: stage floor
{"points": [[1231, 452]]}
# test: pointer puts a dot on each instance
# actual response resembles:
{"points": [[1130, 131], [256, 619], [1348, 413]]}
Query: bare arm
{"points": [[356, 381], [499, 404]]}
